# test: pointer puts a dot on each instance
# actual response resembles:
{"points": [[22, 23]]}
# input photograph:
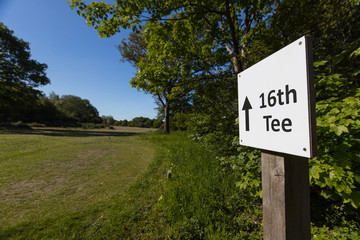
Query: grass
{"points": [[201, 201], [47, 173], [80, 184]]}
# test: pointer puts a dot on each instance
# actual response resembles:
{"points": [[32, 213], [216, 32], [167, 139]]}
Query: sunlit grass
{"points": [[46, 173]]}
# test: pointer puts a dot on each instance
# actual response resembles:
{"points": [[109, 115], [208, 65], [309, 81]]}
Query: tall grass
{"points": [[201, 200]]}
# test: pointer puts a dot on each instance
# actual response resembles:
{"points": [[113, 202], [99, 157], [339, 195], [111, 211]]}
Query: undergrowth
{"points": [[201, 200]]}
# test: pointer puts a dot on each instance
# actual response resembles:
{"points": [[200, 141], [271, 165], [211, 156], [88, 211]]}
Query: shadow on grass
{"points": [[67, 132]]}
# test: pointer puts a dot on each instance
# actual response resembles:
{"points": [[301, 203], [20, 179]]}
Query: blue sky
{"points": [[79, 62]]}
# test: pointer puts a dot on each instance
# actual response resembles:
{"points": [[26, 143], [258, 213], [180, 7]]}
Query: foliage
{"points": [[156, 53], [214, 113], [338, 164], [226, 22], [247, 167], [43, 111], [335, 173], [74, 108], [19, 75], [144, 122], [14, 125], [108, 120], [123, 123], [16, 65], [338, 233], [133, 49], [140, 122]]}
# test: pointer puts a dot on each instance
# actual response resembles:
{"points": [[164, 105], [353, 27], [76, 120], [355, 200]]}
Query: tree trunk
{"points": [[167, 117], [237, 65]]}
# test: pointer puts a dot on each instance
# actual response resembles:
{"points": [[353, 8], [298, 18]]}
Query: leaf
{"points": [[357, 178], [320, 63], [355, 197], [326, 194], [314, 172], [331, 119], [340, 129], [355, 53], [338, 58], [339, 187], [356, 72], [334, 111]]}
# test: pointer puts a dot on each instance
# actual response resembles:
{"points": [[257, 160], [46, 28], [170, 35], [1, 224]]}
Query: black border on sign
{"points": [[311, 96]]}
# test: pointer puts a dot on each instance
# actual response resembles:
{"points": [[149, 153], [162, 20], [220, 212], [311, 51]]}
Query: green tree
{"points": [[44, 111], [108, 120], [123, 123], [76, 108], [19, 75], [156, 53], [138, 122]]}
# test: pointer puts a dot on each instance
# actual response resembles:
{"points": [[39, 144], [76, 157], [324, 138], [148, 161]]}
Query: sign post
{"points": [[286, 198], [277, 115]]}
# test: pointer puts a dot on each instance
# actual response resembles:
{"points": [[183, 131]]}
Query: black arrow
{"points": [[247, 107]]}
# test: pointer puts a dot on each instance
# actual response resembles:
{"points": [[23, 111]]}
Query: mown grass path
{"points": [[48, 173]]}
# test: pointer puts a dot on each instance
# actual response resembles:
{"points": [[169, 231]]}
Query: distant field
{"points": [[46, 173]]}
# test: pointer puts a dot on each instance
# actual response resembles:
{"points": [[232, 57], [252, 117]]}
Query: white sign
{"points": [[276, 102]]}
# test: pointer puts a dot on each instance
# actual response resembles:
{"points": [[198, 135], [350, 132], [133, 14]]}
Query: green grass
{"points": [[76, 184], [201, 201], [48, 174]]}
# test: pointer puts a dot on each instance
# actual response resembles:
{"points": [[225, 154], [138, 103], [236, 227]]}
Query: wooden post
{"points": [[286, 197]]}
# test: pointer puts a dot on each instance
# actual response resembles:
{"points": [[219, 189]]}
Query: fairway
{"points": [[47, 173]]}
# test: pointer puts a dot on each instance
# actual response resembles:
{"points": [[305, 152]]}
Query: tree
{"points": [[44, 111], [157, 54], [76, 109], [140, 122], [19, 75], [123, 123], [108, 120]]}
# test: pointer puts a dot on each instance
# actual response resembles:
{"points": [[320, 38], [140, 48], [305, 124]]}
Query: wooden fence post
{"points": [[286, 197]]}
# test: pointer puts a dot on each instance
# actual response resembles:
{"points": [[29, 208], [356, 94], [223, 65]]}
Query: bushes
{"points": [[338, 233], [144, 122], [15, 125]]}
